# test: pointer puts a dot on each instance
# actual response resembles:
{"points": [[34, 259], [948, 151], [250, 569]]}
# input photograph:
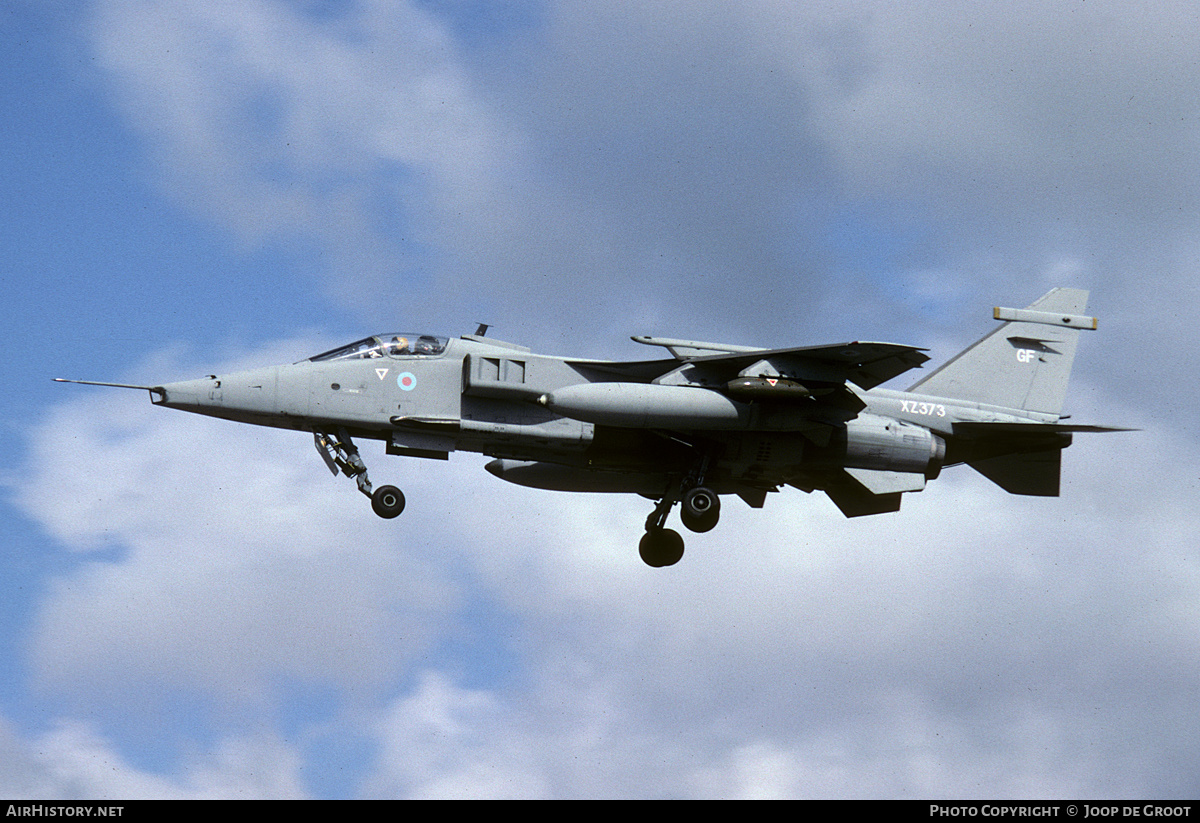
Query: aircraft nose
{"points": [[234, 396], [249, 391], [189, 395]]}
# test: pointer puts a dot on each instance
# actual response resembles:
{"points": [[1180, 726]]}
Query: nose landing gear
{"points": [[340, 454]]}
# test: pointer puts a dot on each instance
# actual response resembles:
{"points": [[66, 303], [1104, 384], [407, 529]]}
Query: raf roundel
{"points": [[406, 381]]}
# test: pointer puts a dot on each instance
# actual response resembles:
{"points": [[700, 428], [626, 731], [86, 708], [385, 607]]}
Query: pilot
{"points": [[399, 346], [426, 345]]}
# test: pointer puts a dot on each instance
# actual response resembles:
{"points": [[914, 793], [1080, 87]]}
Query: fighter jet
{"points": [[703, 421]]}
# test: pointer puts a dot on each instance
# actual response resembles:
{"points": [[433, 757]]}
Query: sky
{"points": [[196, 608]]}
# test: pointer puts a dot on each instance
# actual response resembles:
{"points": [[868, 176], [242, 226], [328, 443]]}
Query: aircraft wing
{"points": [[866, 365], [863, 363]]}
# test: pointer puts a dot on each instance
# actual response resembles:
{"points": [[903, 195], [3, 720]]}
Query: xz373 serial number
{"points": [[915, 407]]}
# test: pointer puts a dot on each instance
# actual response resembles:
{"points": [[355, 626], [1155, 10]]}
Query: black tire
{"points": [[388, 502], [661, 547], [698, 524], [700, 509]]}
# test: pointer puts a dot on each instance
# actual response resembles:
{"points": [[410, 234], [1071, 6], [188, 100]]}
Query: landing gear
{"points": [[700, 509], [340, 454], [661, 547], [388, 502]]}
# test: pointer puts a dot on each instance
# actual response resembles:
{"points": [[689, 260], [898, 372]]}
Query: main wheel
{"points": [[387, 501], [700, 509], [661, 547]]}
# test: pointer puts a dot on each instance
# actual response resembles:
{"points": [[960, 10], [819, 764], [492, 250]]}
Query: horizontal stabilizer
{"points": [[1029, 473], [1021, 458], [987, 429]]}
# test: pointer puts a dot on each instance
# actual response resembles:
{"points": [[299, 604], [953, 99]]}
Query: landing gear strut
{"points": [[340, 454]]}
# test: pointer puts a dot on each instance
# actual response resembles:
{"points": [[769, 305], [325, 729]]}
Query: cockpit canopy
{"points": [[399, 344]]}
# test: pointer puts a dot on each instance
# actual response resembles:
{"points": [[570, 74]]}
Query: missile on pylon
{"points": [[769, 388]]}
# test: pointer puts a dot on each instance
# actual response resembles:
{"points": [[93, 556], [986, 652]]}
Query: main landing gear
{"points": [[699, 511], [339, 453]]}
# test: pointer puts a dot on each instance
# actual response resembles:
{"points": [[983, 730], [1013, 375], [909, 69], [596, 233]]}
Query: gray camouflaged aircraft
{"points": [[709, 420]]}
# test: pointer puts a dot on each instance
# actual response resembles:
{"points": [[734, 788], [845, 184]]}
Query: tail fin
{"points": [[1023, 364]]}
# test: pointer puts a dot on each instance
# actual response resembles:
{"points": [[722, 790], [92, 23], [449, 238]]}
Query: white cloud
{"points": [[635, 165], [1054, 96], [444, 741], [278, 125], [73, 761]]}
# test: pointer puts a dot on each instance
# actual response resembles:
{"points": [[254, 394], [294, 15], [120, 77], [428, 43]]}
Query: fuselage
{"points": [[560, 423]]}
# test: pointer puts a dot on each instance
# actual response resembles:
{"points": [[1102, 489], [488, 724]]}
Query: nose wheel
{"points": [[387, 501]]}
